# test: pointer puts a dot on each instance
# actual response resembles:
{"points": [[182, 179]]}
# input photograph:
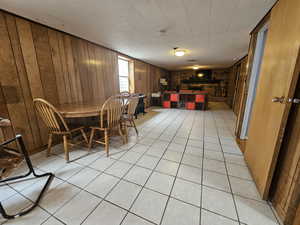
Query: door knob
{"points": [[294, 100], [278, 99]]}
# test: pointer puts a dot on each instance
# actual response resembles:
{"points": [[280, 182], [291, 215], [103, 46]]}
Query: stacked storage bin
{"points": [[200, 102], [166, 100], [190, 103], [174, 100]]}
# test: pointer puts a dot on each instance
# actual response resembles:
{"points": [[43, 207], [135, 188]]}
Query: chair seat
{"points": [[126, 117]]}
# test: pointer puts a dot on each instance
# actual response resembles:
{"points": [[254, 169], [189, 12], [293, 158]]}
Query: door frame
{"points": [[254, 77]]}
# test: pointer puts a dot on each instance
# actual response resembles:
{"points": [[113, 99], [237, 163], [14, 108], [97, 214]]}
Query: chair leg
{"points": [[125, 131], [136, 130], [91, 138], [66, 148], [106, 140], [49, 144], [84, 136], [121, 134]]}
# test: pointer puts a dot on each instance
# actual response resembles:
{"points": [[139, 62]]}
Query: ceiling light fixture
{"points": [[195, 67], [179, 52]]}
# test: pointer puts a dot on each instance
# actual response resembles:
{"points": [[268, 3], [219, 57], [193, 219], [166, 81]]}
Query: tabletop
{"points": [[76, 110]]}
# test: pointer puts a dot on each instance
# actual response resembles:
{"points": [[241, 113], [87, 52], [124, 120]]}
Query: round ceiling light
{"points": [[195, 67], [179, 52]]}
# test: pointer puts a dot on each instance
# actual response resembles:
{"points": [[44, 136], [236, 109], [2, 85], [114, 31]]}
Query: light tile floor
{"points": [[184, 169]]}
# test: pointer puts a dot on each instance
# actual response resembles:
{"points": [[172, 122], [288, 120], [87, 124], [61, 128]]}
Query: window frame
{"points": [[122, 75]]}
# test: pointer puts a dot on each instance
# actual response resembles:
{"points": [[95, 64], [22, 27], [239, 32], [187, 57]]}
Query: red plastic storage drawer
{"points": [[190, 105], [167, 104], [200, 98], [174, 97]]}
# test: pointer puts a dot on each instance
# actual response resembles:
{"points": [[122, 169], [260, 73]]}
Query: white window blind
{"points": [[123, 74]]}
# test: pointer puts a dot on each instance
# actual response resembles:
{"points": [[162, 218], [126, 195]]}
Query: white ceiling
{"points": [[216, 32]]}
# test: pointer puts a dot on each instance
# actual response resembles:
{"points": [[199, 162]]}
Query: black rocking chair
{"points": [[10, 153]]}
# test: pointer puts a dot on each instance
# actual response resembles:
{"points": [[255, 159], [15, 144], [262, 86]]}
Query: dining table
{"points": [[79, 110]]}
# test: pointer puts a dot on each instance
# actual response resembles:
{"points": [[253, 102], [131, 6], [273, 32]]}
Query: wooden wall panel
{"points": [[240, 86], [74, 81], [11, 88], [64, 68], [5, 133], [29, 56], [141, 81], [37, 61], [44, 60], [100, 75], [231, 86], [32, 68], [60, 82], [92, 71], [236, 84], [16, 47]]}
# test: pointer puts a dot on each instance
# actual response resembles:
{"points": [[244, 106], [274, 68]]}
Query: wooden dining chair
{"points": [[56, 125], [128, 116], [110, 119], [125, 95]]}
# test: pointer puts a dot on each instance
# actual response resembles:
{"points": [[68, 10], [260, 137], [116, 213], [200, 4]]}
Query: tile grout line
{"points": [[220, 130], [152, 171], [66, 181], [167, 202], [84, 166], [233, 197], [103, 199], [203, 152]]}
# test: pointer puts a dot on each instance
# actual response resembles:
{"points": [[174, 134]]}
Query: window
{"points": [[123, 74]]}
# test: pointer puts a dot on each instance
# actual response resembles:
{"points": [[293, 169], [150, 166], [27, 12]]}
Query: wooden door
{"points": [[285, 189], [278, 77]]}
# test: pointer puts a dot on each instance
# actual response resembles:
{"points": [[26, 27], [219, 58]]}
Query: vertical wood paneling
{"points": [[65, 74], [146, 79], [92, 70], [29, 55], [44, 60], [6, 133], [11, 88], [240, 86], [74, 79], [37, 61], [113, 71], [100, 76], [76, 68], [60, 82], [86, 74], [32, 68], [25, 88]]}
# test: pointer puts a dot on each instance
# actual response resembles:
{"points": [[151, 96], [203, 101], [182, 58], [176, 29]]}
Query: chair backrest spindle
{"points": [[132, 104], [51, 117], [111, 112]]}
